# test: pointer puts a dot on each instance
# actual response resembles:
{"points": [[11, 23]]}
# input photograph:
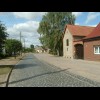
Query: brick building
{"points": [[81, 42], [92, 45], [72, 46]]}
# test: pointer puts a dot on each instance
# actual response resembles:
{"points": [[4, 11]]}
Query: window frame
{"points": [[98, 49]]}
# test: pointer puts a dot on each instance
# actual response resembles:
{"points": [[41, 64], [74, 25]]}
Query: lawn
{"points": [[5, 69]]}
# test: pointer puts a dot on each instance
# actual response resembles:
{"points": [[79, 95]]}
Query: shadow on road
{"points": [[3, 82], [3, 66], [48, 73], [21, 66], [27, 58]]}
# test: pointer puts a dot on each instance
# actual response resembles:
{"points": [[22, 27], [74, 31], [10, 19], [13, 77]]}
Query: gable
{"points": [[67, 34], [77, 30]]}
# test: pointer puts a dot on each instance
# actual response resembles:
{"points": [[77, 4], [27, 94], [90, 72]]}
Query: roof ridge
{"points": [[94, 33], [79, 25], [79, 30]]}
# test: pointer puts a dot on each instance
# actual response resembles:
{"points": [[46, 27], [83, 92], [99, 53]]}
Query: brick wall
{"points": [[89, 50]]}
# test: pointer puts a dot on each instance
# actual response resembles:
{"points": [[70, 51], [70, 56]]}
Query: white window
{"points": [[96, 49], [99, 50]]}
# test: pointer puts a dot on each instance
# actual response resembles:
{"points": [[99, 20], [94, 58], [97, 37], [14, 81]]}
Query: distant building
{"points": [[39, 49]]}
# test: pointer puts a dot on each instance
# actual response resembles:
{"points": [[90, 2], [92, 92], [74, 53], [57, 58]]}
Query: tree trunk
{"points": [[60, 52], [57, 52]]}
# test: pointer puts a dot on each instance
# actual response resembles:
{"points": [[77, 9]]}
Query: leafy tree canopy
{"points": [[13, 46], [51, 30], [3, 35]]}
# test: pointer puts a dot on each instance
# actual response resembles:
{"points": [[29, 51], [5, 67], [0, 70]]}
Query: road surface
{"points": [[31, 72]]}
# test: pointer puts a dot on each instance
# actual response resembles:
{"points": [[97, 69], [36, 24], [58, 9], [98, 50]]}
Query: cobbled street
{"points": [[31, 72]]}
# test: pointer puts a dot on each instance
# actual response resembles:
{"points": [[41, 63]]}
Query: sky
{"points": [[28, 22]]}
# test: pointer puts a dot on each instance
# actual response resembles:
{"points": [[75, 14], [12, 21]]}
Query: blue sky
{"points": [[28, 22], [88, 18]]}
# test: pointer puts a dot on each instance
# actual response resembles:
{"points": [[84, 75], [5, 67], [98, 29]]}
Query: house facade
{"points": [[72, 46], [92, 45]]}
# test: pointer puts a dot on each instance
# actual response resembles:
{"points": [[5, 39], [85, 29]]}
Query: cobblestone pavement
{"points": [[88, 69], [31, 72]]}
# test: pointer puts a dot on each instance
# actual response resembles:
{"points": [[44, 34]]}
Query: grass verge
{"points": [[5, 69]]}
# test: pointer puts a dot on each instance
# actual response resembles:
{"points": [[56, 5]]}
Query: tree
{"points": [[28, 50], [13, 46], [3, 36], [32, 46], [51, 30]]}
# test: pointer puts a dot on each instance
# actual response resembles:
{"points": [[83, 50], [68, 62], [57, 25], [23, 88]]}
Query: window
{"points": [[67, 42], [96, 49], [99, 50], [67, 49]]}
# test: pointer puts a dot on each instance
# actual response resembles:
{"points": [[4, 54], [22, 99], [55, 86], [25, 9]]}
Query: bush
{"points": [[52, 52], [3, 56]]}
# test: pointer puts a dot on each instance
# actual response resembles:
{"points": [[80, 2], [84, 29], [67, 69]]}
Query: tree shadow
{"points": [[3, 82], [4, 66], [21, 66], [43, 74], [27, 58]]}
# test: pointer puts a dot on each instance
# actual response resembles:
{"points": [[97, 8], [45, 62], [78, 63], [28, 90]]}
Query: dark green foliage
{"points": [[3, 35], [28, 50], [32, 46], [13, 47]]}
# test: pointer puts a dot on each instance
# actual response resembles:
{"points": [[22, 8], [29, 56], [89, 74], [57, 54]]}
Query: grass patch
{"points": [[5, 69]]}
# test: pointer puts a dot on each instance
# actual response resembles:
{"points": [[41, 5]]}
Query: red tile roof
{"points": [[94, 33], [77, 30]]}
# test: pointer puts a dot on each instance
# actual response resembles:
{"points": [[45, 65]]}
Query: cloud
{"points": [[29, 26], [77, 13], [1, 13], [5, 13], [28, 31], [28, 15], [92, 25], [77, 24], [92, 16]]}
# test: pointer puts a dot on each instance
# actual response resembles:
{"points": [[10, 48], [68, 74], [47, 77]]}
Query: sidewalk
{"points": [[88, 69], [8, 61]]}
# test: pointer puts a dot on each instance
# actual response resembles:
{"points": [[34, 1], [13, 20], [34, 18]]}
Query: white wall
{"points": [[68, 54]]}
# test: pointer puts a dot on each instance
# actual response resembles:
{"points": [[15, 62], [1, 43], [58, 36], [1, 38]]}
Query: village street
{"points": [[50, 49], [34, 72]]}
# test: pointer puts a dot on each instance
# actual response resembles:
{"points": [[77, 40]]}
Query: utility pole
{"points": [[20, 36], [24, 46], [20, 41]]}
